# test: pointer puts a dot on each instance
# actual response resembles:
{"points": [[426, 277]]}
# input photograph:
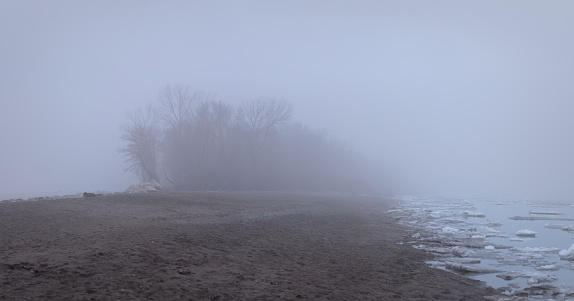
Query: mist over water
{"points": [[448, 97]]}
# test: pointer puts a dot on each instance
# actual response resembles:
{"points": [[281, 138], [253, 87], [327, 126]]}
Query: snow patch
{"points": [[144, 187]]}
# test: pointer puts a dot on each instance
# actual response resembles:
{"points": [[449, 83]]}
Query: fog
{"points": [[450, 97]]}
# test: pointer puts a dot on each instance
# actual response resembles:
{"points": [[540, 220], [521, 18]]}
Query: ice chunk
{"points": [[448, 229], [463, 260], [493, 223], [438, 250], [549, 267], [540, 278], [536, 249], [545, 212], [569, 228], [489, 230], [567, 254], [468, 268], [473, 214], [533, 277], [565, 289], [554, 226], [489, 248], [526, 232], [435, 264], [460, 252]]}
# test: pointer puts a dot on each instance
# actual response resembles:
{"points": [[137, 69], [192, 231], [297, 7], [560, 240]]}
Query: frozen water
{"points": [[450, 230], [526, 232], [545, 212], [508, 236], [549, 267], [533, 277], [536, 249], [567, 254], [473, 214], [554, 226], [466, 268]]}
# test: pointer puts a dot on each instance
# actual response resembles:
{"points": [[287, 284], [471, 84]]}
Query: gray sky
{"points": [[453, 97]]}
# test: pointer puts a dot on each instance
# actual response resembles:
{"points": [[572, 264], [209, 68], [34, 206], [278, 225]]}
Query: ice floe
{"points": [[554, 226], [526, 232], [473, 214], [545, 212], [536, 249], [460, 252], [448, 229], [468, 268], [540, 218], [532, 277], [463, 239], [493, 223], [565, 289], [548, 267], [567, 254], [468, 260]]}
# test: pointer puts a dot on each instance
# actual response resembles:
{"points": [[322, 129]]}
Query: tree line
{"points": [[189, 140]]}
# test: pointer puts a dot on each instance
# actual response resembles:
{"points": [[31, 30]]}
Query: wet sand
{"points": [[216, 246]]}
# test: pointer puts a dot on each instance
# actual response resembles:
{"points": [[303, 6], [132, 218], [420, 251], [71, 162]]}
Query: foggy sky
{"points": [[452, 97]]}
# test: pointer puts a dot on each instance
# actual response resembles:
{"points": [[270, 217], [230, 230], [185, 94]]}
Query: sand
{"points": [[216, 246]]}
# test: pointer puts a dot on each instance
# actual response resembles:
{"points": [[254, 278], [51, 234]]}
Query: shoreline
{"points": [[216, 246]]}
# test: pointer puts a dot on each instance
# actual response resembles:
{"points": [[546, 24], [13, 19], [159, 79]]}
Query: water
{"points": [[475, 226], [36, 196]]}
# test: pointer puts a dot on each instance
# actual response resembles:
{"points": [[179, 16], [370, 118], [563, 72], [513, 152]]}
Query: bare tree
{"points": [[260, 115], [142, 134], [207, 144], [212, 120], [177, 106]]}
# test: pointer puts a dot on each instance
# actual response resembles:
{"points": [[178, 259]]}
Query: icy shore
{"points": [[482, 239]]}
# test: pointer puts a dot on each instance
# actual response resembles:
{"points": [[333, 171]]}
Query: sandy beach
{"points": [[216, 246]]}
